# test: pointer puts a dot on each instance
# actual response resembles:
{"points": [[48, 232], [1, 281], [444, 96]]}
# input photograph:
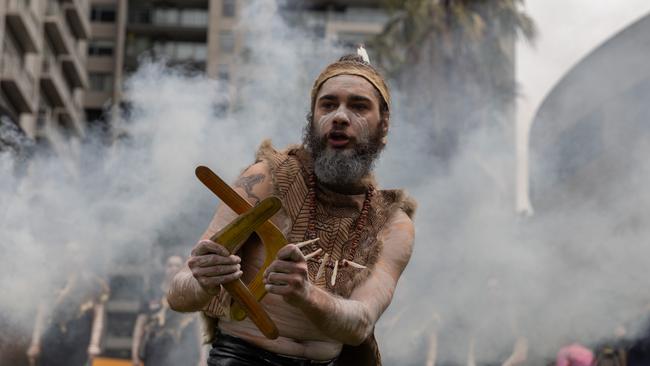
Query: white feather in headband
{"points": [[361, 51]]}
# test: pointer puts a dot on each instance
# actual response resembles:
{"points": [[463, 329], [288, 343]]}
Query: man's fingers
{"points": [[278, 290], [290, 252], [281, 267], [209, 260], [209, 247], [216, 270], [215, 282], [280, 279]]}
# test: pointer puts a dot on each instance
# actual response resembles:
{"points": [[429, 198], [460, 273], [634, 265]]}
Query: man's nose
{"points": [[341, 117]]}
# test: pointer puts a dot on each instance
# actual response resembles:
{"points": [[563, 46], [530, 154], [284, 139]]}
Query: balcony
{"points": [[70, 119], [52, 81], [15, 79], [73, 68], [66, 106], [65, 45], [23, 22], [77, 12]]}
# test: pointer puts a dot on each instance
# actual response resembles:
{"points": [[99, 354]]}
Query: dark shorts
{"points": [[232, 351]]}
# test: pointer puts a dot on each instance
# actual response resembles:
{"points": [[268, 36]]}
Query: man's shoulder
{"points": [[274, 157], [399, 226], [398, 200], [273, 171], [285, 167]]}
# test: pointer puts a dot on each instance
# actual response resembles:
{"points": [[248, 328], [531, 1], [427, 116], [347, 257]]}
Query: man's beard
{"points": [[346, 166]]}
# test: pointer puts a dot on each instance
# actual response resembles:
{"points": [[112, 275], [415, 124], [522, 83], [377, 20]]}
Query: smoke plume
{"points": [[479, 271]]}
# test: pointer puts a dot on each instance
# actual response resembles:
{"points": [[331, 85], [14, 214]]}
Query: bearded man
{"points": [[325, 308]]}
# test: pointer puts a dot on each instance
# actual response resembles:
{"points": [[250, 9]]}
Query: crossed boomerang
{"points": [[232, 237]]}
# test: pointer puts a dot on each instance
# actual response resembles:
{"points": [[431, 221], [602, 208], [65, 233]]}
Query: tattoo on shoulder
{"points": [[248, 182]]}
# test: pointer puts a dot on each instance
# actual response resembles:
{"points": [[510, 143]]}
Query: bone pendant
{"points": [[354, 264], [334, 273], [313, 254], [306, 242], [321, 269]]}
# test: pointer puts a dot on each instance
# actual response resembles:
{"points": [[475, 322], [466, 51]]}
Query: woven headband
{"points": [[349, 67]]}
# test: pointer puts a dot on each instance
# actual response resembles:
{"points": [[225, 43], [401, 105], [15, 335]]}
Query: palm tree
{"points": [[454, 62]]}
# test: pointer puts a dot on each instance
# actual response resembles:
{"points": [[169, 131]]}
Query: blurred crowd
{"points": [[70, 323], [69, 326]]}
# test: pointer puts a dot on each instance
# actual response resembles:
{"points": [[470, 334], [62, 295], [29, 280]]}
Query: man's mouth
{"points": [[338, 139]]}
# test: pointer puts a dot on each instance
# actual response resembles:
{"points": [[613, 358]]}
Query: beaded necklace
{"points": [[353, 240]]}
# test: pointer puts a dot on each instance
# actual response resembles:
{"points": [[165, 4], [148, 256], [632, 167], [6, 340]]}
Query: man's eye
{"points": [[360, 107], [327, 105]]}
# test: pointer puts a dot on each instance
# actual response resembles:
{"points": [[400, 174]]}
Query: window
{"points": [[180, 51], [228, 8], [104, 13], [183, 51], [100, 81], [194, 18], [167, 16], [101, 47], [226, 41]]}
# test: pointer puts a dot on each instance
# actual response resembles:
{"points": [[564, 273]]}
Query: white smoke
{"points": [[478, 269]]}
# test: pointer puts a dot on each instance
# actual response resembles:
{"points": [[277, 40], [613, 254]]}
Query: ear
{"points": [[384, 127], [385, 122]]}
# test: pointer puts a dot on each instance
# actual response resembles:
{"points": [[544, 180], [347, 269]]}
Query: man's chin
{"points": [[347, 149]]}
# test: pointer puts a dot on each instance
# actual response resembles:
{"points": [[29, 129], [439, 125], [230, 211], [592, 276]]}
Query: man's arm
{"points": [[349, 321], [136, 339], [96, 332], [34, 349], [209, 264]]}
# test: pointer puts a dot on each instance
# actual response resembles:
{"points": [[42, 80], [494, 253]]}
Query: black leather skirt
{"points": [[232, 351]]}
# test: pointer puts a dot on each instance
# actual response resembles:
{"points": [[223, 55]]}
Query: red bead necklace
{"points": [[361, 221]]}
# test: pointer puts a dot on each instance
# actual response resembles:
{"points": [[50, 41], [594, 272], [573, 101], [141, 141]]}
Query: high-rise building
{"points": [[200, 34], [42, 67]]}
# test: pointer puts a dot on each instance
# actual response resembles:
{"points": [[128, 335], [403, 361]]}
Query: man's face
{"points": [[346, 131], [346, 112]]}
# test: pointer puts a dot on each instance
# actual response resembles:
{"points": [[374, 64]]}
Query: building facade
{"points": [[42, 67], [202, 35], [586, 135]]}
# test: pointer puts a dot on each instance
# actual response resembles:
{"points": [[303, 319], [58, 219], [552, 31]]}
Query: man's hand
{"points": [[212, 266], [287, 276], [93, 351], [33, 352]]}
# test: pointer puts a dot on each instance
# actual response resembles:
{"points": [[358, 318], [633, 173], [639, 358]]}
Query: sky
{"points": [[568, 31]]}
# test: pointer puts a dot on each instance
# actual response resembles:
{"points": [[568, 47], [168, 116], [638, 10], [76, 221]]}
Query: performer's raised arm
{"points": [[210, 265]]}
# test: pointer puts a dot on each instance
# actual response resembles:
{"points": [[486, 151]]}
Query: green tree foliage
{"points": [[454, 60]]}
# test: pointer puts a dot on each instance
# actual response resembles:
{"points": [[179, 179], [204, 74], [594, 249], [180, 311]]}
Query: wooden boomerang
{"points": [[271, 237]]}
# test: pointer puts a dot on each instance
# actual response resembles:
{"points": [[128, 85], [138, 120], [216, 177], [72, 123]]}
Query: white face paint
{"points": [[345, 138], [356, 120], [349, 105]]}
